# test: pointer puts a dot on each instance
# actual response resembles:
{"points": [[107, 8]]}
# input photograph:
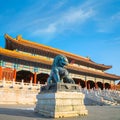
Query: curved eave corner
{"points": [[116, 77], [8, 37], [105, 67]]}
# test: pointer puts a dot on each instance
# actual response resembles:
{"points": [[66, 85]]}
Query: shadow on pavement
{"points": [[20, 112]]}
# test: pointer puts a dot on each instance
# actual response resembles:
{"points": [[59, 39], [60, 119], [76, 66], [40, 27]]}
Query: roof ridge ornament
{"points": [[19, 37]]}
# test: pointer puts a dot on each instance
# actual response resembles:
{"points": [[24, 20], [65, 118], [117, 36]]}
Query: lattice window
{"points": [[2, 63], [35, 69]]}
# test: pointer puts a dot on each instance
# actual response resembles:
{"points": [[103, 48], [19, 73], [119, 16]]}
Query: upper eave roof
{"points": [[24, 42]]}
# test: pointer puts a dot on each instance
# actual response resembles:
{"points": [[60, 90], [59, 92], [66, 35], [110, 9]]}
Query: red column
{"points": [[88, 86], [114, 86], [79, 83], [96, 86], [103, 85], [0, 73], [31, 78], [110, 86], [85, 83], [35, 78], [14, 76]]}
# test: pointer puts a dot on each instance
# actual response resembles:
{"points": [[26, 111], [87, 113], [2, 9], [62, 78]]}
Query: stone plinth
{"points": [[61, 104]]}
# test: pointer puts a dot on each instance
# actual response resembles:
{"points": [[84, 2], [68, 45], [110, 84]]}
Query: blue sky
{"points": [[83, 27]]}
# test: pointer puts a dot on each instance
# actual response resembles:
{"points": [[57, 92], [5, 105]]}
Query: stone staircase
{"points": [[101, 97], [107, 102]]}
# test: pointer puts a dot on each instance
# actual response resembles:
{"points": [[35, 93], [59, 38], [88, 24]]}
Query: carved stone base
{"points": [[61, 104]]}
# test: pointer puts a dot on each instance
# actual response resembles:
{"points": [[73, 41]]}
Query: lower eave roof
{"points": [[27, 57]]}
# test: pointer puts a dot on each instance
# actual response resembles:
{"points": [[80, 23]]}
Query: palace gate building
{"points": [[25, 60]]}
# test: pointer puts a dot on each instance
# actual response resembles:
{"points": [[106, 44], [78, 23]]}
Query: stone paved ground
{"points": [[22, 112]]}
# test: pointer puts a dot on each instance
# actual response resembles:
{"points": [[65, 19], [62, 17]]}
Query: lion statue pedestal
{"points": [[61, 97], [61, 100]]}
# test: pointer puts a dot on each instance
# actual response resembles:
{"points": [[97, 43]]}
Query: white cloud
{"points": [[74, 16], [38, 21], [77, 15], [50, 29], [59, 4]]}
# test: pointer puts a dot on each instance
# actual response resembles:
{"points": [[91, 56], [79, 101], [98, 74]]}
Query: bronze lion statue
{"points": [[58, 72]]}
